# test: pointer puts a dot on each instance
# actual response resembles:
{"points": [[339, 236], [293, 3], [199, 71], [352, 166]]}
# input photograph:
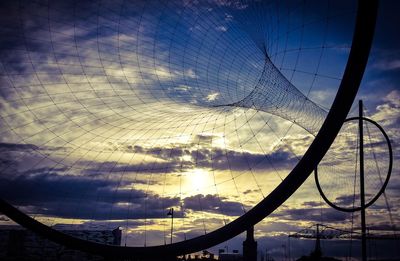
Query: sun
{"points": [[197, 180]]}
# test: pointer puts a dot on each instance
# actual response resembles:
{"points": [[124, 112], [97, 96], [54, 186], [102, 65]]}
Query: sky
{"points": [[113, 113]]}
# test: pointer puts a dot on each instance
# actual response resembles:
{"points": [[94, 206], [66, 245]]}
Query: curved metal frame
{"points": [[372, 201], [358, 57]]}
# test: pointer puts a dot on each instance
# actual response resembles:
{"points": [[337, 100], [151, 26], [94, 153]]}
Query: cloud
{"points": [[83, 198], [217, 158], [191, 73], [212, 96], [311, 215], [312, 204], [384, 227], [17, 147], [235, 4], [213, 204], [78, 197], [393, 98], [144, 167], [221, 28], [387, 64], [347, 201], [388, 113]]}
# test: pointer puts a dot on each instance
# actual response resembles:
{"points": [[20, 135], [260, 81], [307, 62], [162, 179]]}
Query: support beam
{"points": [[250, 246], [362, 189]]}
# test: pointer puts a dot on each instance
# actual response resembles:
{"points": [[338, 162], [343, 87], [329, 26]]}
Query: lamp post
{"points": [[171, 213]]}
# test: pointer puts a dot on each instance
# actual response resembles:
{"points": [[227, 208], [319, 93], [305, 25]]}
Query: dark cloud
{"points": [[213, 204], [92, 193], [91, 198], [203, 140], [230, 159], [383, 227], [181, 158], [250, 191], [346, 201], [144, 167], [45, 170], [312, 215], [312, 204], [218, 158], [13, 155], [81, 197], [151, 207], [17, 147]]}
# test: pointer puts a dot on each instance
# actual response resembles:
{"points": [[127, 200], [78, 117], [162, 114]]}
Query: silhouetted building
{"points": [[230, 257], [20, 244]]}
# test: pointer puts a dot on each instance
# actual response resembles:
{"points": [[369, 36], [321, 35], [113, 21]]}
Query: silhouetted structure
{"points": [[230, 257], [21, 244], [250, 246], [317, 253]]}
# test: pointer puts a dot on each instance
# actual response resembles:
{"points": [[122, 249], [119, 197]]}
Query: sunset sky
{"points": [[113, 113]]}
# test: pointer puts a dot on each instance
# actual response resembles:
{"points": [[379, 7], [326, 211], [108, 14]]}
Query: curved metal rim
{"points": [[358, 57], [372, 201]]}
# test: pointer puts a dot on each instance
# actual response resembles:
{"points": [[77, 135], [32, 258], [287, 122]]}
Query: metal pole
{"points": [[172, 222], [362, 191]]}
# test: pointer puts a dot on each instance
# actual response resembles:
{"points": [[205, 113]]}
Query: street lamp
{"points": [[171, 213]]}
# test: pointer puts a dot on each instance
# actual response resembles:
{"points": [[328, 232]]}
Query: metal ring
{"points": [[372, 201]]}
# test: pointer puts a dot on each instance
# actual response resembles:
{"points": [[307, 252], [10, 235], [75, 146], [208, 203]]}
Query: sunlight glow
{"points": [[197, 180]]}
